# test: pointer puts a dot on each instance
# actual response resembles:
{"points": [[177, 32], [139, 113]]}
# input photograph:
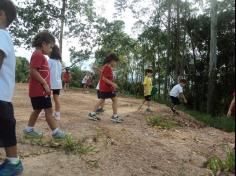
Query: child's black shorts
{"points": [[39, 103], [148, 98], [175, 100], [99, 94], [56, 91], [7, 125], [107, 95]]}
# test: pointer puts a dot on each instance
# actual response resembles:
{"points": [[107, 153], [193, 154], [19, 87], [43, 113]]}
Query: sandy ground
{"points": [[129, 149]]}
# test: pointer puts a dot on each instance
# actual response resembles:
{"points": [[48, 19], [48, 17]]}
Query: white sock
{"points": [[115, 115], [29, 129], [55, 131], [13, 160], [93, 113]]}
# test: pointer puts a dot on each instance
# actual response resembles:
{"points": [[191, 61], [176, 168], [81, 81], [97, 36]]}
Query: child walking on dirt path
{"points": [[107, 89], [147, 84], [39, 87], [56, 82], [101, 108], [85, 82], [176, 93], [67, 78], [12, 165]]}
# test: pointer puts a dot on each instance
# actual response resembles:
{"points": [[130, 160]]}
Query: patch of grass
{"points": [[157, 121], [229, 163], [216, 165], [75, 147], [222, 122]]}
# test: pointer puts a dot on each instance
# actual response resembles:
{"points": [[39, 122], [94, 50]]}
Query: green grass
{"points": [[75, 147], [220, 122], [215, 164], [157, 121]]}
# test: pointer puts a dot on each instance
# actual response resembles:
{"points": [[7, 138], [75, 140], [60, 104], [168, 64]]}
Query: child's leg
{"points": [[99, 104], [11, 152], [57, 103], [149, 104], [115, 105], [50, 120], [33, 118]]}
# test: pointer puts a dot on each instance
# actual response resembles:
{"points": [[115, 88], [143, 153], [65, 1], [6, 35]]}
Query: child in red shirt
{"points": [[107, 89], [66, 79], [39, 87]]}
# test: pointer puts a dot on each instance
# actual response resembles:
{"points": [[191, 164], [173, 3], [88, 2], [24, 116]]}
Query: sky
{"points": [[104, 8]]}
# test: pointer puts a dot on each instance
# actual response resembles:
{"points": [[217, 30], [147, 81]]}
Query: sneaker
{"points": [[60, 135], [149, 110], [9, 169], [100, 110], [174, 111], [117, 119], [33, 134], [93, 117]]}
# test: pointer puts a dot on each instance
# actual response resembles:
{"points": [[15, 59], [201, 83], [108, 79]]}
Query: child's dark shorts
{"points": [[148, 98], [107, 95], [39, 103], [7, 125], [56, 91], [175, 100]]}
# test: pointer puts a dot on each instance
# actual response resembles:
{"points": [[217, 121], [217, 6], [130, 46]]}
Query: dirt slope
{"points": [[129, 149]]}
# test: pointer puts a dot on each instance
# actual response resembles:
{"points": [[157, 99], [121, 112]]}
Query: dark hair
{"points": [[41, 37], [10, 10], [183, 81], [67, 69], [111, 57], [56, 54], [149, 70]]}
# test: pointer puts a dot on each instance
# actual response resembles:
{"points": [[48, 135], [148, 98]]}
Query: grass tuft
{"points": [[76, 147], [157, 121]]}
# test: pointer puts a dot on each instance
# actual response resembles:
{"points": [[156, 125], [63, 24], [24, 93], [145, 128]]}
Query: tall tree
{"points": [[213, 59]]}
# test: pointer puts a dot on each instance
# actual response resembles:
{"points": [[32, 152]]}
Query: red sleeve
{"points": [[36, 61], [107, 73]]}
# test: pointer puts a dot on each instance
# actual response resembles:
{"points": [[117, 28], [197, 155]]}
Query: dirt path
{"points": [[129, 149]]}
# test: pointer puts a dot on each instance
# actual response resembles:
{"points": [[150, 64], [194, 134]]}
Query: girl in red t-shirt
{"points": [[107, 89], [66, 79]]}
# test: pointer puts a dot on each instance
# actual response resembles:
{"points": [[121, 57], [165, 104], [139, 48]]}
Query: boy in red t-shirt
{"points": [[66, 79], [107, 89], [39, 87]]}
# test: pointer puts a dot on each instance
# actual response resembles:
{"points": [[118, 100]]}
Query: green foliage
{"points": [[75, 147], [219, 122], [216, 165], [22, 70], [160, 122], [229, 163]]}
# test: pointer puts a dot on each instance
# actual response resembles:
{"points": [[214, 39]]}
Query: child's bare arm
{"points": [[109, 82], [232, 105], [184, 98], [2, 55], [35, 74]]}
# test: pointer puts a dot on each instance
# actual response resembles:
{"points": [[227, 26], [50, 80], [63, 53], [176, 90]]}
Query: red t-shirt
{"points": [[107, 72], [66, 77], [39, 62]]}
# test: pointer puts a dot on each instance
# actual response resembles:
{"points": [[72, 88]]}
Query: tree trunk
{"points": [[179, 61], [213, 59], [63, 10], [168, 51]]}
